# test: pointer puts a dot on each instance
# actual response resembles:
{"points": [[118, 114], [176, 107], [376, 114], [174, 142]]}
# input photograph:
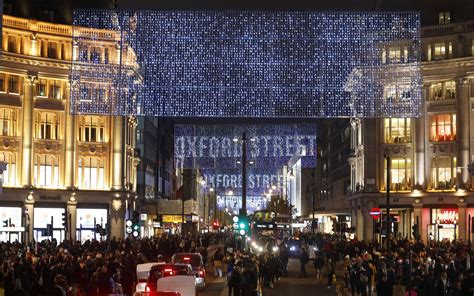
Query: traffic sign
{"points": [[128, 230], [375, 213], [128, 223]]}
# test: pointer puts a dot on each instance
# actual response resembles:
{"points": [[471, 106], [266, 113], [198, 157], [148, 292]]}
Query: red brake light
{"points": [[201, 273], [147, 289], [168, 270], [187, 258]]}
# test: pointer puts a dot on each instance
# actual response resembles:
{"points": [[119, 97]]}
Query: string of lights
{"points": [[247, 63]]}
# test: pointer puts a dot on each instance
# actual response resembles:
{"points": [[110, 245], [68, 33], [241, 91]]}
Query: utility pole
{"points": [[387, 186], [244, 175], [313, 189]]}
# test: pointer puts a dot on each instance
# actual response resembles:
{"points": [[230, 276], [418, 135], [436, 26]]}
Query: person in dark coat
{"points": [[383, 286], [234, 281], [304, 259]]}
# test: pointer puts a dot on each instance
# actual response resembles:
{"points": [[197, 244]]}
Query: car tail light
{"points": [[147, 289], [201, 273], [187, 258]]}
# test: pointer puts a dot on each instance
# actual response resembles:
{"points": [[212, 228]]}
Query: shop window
{"points": [[41, 87], [9, 175], [400, 173], [2, 82], [55, 90], [13, 84], [397, 130], [443, 172], [46, 172], [444, 17], [443, 127], [7, 122], [443, 90], [47, 126], [91, 172], [92, 129]]}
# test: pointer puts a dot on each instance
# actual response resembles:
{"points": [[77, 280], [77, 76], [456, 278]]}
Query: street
{"points": [[292, 285]]}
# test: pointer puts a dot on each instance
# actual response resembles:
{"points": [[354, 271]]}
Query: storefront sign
{"points": [[446, 216], [143, 217], [172, 219], [375, 213]]}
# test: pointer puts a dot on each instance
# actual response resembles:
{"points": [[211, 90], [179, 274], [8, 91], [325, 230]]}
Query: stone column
{"points": [[70, 144], [29, 206], [368, 224], [117, 153], [462, 125], [462, 231], [419, 141], [72, 212], [117, 218], [27, 132]]}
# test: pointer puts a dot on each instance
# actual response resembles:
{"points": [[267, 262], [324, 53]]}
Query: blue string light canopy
{"points": [[246, 63]]}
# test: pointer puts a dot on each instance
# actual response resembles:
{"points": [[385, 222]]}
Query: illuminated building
{"points": [[431, 181], [81, 165]]}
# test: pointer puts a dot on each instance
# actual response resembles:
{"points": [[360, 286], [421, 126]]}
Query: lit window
{"points": [[443, 91], [13, 84], [92, 129], [91, 172], [400, 173], [472, 47], [9, 175], [443, 128], [443, 172], [47, 126], [439, 51], [2, 82], [396, 93], [7, 122], [395, 55], [55, 89], [444, 17], [41, 87], [397, 130], [46, 172]]}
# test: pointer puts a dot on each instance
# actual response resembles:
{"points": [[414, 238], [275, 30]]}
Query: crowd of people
{"points": [[92, 268], [443, 268]]}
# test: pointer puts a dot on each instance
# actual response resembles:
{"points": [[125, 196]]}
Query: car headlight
{"points": [[254, 244], [315, 248], [275, 249], [292, 248], [260, 249]]}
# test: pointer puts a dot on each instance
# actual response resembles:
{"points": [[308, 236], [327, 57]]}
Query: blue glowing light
{"points": [[246, 63]]}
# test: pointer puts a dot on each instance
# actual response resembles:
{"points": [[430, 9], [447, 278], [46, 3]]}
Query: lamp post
{"points": [[387, 186]]}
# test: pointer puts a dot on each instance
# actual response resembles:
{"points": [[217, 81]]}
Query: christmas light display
{"points": [[246, 63], [269, 146]]}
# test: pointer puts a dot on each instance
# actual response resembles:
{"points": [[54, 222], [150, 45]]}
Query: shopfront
{"points": [[86, 222], [444, 224], [11, 228], [48, 215]]}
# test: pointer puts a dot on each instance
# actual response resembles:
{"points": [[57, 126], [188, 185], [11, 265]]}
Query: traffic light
{"points": [[135, 230], [128, 226], [243, 224], [415, 231], [64, 219]]}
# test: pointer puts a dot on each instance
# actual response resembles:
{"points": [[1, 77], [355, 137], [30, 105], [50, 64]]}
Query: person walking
{"points": [[318, 265], [329, 269], [234, 281], [217, 262], [304, 259]]}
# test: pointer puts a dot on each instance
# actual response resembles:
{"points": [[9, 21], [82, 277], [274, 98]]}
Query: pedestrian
{"points": [[249, 280], [304, 259], [318, 266], [234, 281], [329, 269], [284, 257], [217, 262]]}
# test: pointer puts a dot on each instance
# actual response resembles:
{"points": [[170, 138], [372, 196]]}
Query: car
{"points": [[197, 264], [294, 246], [157, 271], [184, 285]]}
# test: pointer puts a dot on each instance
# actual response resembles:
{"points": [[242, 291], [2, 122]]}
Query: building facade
{"points": [[430, 180], [71, 171]]}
